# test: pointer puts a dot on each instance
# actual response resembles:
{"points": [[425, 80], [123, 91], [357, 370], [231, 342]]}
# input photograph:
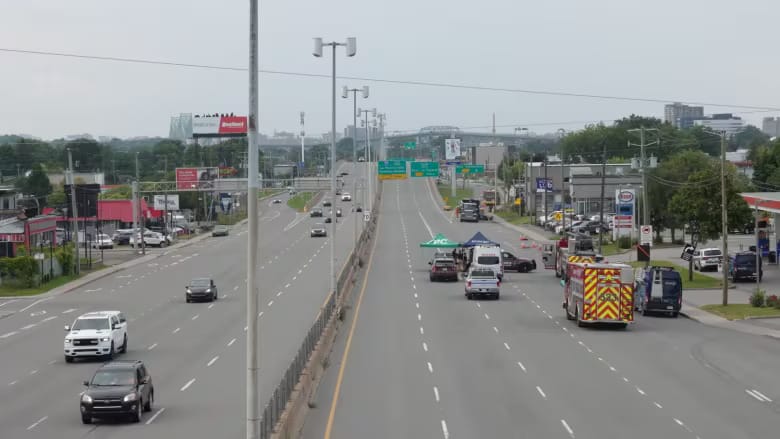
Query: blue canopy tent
{"points": [[478, 239]]}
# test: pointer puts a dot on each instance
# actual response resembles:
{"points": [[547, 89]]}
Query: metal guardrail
{"points": [[282, 393]]}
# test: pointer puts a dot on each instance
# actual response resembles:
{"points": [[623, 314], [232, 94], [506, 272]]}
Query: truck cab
{"points": [[658, 290]]}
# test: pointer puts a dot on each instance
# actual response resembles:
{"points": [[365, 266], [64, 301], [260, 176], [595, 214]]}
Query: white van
{"points": [[488, 257]]}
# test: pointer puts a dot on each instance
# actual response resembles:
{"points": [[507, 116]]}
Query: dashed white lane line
{"points": [[176, 330], [641, 392], [287, 286], [415, 294], [235, 288], [625, 379], [69, 310], [195, 316], [506, 346], [612, 368], [36, 423], [417, 304], [154, 416], [419, 316], [422, 331], [430, 367], [271, 303], [658, 405], [487, 316], [478, 305], [541, 392], [33, 372], [13, 382], [522, 366], [414, 286], [444, 430], [278, 294], [230, 343], [213, 360], [679, 422], [436, 393], [300, 271], [425, 346], [151, 347], [260, 314], [186, 386], [566, 426], [211, 306]]}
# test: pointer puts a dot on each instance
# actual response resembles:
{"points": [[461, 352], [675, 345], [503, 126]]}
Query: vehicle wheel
{"points": [[162, 244], [645, 312], [568, 314], [497, 295], [138, 412], [675, 314], [68, 359], [468, 296], [430, 278], [124, 345], [580, 323], [111, 352], [148, 405], [523, 269], [86, 419], [213, 296]]}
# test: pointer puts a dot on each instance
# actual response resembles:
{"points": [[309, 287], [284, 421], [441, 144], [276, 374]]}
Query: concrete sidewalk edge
{"points": [[693, 313]]}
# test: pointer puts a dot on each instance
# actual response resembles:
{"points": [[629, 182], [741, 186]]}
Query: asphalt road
{"points": [[195, 352], [422, 361]]}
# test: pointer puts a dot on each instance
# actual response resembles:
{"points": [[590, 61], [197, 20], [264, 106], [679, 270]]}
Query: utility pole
{"points": [[139, 212], [544, 191], [643, 165], [303, 140], [724, 219], [165, 218], [563, 185], [252, 334], [74, 225], [603, 201]]}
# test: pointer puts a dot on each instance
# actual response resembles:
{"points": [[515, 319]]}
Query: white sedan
{"points": [[346, 196]]}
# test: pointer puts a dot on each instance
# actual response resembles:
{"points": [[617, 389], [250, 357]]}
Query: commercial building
{"points": [[722, 122], [682, 116]]}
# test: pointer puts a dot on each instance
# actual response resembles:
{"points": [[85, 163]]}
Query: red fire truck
{"points": [[599, 293]]}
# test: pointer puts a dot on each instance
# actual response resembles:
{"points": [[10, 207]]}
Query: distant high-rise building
{"points": [[771, 126], [722, 122], [682, 116]]}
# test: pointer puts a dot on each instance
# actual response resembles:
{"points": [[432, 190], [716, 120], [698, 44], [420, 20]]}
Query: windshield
{"points": [[200, 282], [745, 260], [712, 253], [487, 260], [87, 324], [114, 378]]}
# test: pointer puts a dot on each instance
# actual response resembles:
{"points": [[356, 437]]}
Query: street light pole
{"points": [[351, 49], [74, 225], [724, 218], [345, 94], [139, 212]]}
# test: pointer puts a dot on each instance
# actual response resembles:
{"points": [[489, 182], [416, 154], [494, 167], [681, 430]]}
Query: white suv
{"points": [[96, 334], [707, 258]]}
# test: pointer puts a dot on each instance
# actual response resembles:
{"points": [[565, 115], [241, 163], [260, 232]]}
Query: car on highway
{"points": [[443, 268], [318, 229], [220, 231], [361, 159], [327, 203], [707, 259], [328, 219], [482, 282], [338, 212], [513, 263], [201, 288], [102, 241], [358, 208], [96, 334], [315, 212], [338, 191], [346, 196], [276, 201], [743, 266], [118, 388]]}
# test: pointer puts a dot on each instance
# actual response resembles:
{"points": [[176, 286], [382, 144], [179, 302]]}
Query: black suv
{"points": [[118, 388], [743, 265]]}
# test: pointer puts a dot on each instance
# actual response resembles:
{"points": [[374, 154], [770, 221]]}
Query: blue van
{"points": [[658, 290]]}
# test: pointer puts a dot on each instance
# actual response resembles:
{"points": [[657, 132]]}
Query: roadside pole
{"points": [[74, 223]]}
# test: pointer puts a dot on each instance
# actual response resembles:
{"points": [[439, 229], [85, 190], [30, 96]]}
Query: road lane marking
{"points": [[568, 429], [33, 372], [195, 316], [521, 366], [211, 306], [506, 346], [176, 330], [186, 386], [13, 382], [419, 316], [417, 304], [154, 416], [425, 346], [278, 294], [436, 393], [415, 294], [422, 331], [625, 379], [757, 395], [479, 305], [641, 392], [679, 422], [487, 316], [658, 405], [154, 345], [230, 343], [430, 367], [36, 423], [8, 334], [541, 392], [213, 360], [761, 395], [260, 314], [612, 368], [287, 286], [444, 429], [69, 310], [271, 303], [31, 325], [32, 304], [235, 288], [7, 302], [495, 329]]}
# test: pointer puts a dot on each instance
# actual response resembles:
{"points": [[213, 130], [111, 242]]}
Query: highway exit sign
{"points": [[425, 169], [470, 169], [410, 145], [392, 169]]}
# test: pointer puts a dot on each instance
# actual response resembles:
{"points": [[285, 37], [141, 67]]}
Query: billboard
{"points": [[542, 183], [192, 179], [451, 149], [625, 208], [159, 202], [219, 126]]}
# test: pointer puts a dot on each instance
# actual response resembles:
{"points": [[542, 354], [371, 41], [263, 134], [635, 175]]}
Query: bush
{"points": [[65, 256], [625, 242], [758, 298], [23, 268], [771, 301], [777, 305]]}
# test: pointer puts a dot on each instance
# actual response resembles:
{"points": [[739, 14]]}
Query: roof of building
{"points": [[11, 226], [766, 201]]}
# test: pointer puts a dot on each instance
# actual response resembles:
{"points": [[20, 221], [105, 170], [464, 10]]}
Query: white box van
{"points": [[488, 257]]}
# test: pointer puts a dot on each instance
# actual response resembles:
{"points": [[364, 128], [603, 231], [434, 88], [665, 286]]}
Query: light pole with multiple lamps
{"points": [[367, 155], [351, 46], [345, 94]]}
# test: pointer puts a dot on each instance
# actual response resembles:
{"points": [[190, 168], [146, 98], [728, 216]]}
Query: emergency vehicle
{"points": [[573, 248], [599, 293]]}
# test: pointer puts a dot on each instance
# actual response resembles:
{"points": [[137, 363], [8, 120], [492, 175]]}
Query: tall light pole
{"points": [[345, 94], [367, 154], [74, 225], [303, 141], [351, 47], [724, 219], [561, 133], [252, 293]]}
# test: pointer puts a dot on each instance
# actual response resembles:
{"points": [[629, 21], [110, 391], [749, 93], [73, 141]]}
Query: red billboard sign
{"points": [[192, 179], [219, 126]]}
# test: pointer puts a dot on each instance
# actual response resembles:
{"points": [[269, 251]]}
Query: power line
{"points": [[385, 81]]}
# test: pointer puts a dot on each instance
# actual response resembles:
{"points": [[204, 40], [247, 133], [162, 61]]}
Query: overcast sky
{"points": [[714, 51]]}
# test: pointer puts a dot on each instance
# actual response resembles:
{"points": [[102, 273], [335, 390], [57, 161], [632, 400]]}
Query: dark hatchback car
{"points": [[118, 388], [513, 263], [743, 266], [201, 289], [316, 212], [443, 269]]}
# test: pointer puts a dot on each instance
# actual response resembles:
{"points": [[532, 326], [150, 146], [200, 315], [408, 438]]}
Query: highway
{"points": [[195, 352], [416, 359]]}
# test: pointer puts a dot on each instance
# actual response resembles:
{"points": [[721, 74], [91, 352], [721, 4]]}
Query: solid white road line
{"points": [[213, 360], [755, 395], [761, 395], [8, 334], [36, 423], [32, 305], [436, 393], [154, 416], [541, 392], [189, 383], [568, 429], [230, 343], [32, 325]]}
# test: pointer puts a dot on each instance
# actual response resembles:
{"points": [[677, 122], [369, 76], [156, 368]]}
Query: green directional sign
{"points": [[392, 169], [470, 169], [425, 169], [410, 145]]}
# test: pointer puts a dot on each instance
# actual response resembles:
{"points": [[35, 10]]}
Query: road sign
{"points": [[425, 169], [541, 183], [470, 169], [410, 145], [646, 235], [392, 169], [366, 216]]}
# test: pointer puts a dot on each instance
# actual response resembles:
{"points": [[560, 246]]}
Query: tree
{"points": [[57, 197], [118, 193], [37, 184], [750, 138]]}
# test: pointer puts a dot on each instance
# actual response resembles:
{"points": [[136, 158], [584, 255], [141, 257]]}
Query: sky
{"points": [[714, 51]]}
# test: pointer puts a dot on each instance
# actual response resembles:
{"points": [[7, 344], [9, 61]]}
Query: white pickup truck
{"points": [[96, 334], [482, 282]]}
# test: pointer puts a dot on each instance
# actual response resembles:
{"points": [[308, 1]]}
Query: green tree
{"points": [[36, 184], [123, 192], [749, 138], [57, 197]]}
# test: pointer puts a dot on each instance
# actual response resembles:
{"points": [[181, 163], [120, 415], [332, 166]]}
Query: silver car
{"points": [[318, 230], [707, 259]]}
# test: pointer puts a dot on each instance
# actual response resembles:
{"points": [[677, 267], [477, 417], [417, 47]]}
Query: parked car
{"points": [[102, 241], [469, 215], [220, 231], [122, 236], [153, 239], [96, 334], [743, 265], [443, 269], [707, 258], [513, 263], [482, 282], [118, 388], [201, 288], [327, 203]]}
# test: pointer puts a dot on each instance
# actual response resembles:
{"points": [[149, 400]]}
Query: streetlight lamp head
{"points": [[365, 91], [317, 47], [344, 92], [351, 46]]}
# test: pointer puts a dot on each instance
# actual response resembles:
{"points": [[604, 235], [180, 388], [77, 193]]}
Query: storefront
{"points": [[33, 233]]}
